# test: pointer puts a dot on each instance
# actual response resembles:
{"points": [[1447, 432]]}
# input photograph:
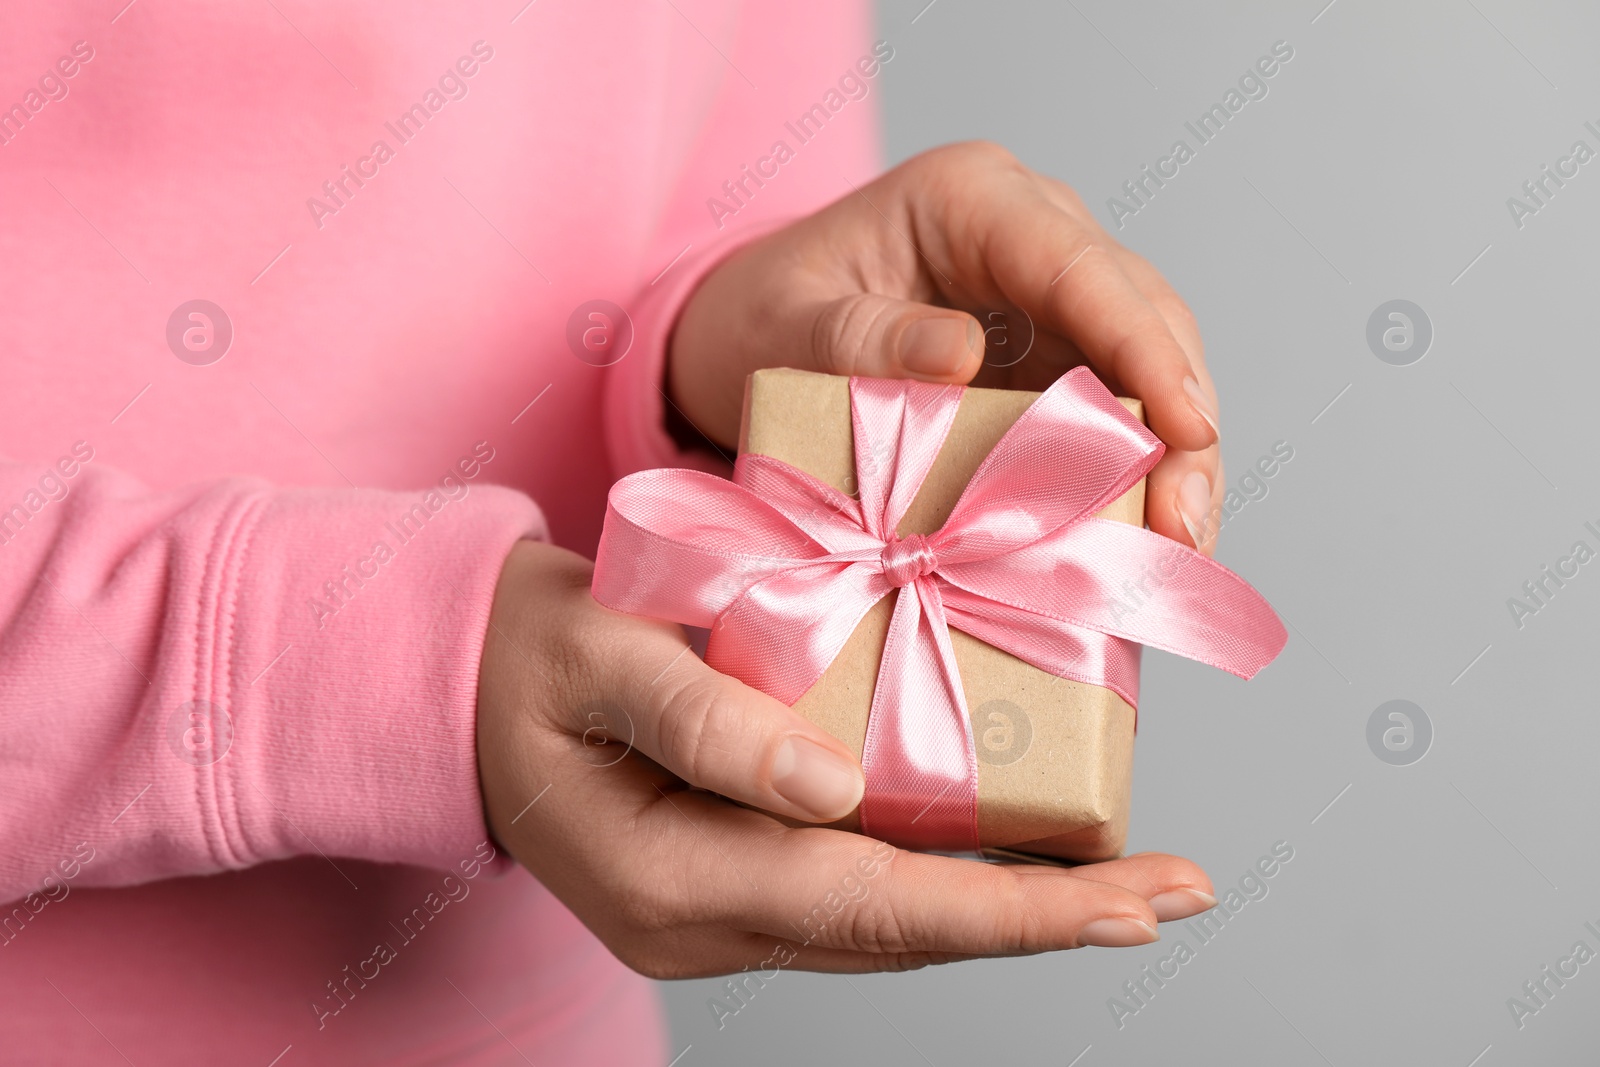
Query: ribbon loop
{"points": [[782, 567]]}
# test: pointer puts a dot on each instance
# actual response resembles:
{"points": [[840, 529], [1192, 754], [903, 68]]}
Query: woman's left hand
{"points": [[922, 274]]}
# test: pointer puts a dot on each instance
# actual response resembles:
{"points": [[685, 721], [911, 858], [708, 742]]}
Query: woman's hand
{"points": [[922, 273], [599, 735]]}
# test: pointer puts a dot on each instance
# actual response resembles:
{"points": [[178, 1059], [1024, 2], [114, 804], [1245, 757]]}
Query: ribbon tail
{"points": [[1129, 583], [1060, 648], [920, 762]]}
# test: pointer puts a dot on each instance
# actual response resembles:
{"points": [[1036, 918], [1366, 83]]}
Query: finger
{"points": [[1180, 320], [1166, 882], [1055, 267], [1183, 497], [1187, 486], [880, 336], [1184, 493], [844, 891], [832, 889], [717, 733], [1089, 299], [1142, 872], [843, 961], [755, 959], [1174, 887], [1185, 490], [1165, 490], [1172, 308], [1156, 289]]}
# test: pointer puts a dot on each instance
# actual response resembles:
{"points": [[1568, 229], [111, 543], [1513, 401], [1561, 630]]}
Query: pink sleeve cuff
{"points": [[635, 401], [354, 699], [226, 674]]}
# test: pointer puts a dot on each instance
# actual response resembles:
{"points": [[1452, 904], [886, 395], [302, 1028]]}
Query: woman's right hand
{"points": [[678, 882]]}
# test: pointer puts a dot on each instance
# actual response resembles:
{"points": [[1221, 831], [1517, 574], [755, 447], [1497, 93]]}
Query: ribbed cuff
{"points": [[343, 632]]}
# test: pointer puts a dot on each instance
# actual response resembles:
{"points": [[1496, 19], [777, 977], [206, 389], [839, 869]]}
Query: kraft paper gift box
{"points": [[1055, 757]]}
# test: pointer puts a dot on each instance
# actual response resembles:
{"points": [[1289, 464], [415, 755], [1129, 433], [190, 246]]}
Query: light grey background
{"points": [[1378, 167]]}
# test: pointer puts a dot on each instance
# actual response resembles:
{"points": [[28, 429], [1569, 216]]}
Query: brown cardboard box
{"points": [[1055, 757]]}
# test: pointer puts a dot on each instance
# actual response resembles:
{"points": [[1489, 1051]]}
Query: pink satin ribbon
{"points": [[781, 567]]}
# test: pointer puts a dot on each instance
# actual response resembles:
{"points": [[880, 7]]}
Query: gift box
{"points": [[955, 582], [1054, 756]]}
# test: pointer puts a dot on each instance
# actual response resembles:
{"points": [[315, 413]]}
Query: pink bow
{"points": [[781, 567]]}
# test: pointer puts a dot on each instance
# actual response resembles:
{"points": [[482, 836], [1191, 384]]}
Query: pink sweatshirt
{"points": [[247, 547]]}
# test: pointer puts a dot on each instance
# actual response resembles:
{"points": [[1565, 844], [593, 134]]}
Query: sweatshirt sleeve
{"points": [[815, 98], [230, 673]]}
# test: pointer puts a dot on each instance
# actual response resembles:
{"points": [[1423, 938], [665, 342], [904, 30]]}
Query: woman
{"points": [[328, 328]]}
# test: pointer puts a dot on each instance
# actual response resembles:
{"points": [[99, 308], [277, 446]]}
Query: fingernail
{"points": [[939, 345], [1194, 505], [1181, 903], [817, 781], [1202, 405], [1117, 933]]}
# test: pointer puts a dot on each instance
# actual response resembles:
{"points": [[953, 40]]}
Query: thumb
{"points": [[882, 337], [717, 733]]}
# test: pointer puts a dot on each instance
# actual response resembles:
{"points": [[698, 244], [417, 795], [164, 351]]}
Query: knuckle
{"points": [[982, 153], [877, 928], [1011, 919], [1148, 340], [876, 924], [1072, 197], [696, 722], [951, 172], [1175, 310], [1026, 929], [1016, 917], [840, 333]]}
